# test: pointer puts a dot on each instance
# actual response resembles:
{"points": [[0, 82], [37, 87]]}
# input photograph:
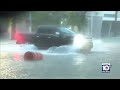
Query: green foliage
{"points": [[45, 18], [76, 18], [68, 18], [71, 18]]}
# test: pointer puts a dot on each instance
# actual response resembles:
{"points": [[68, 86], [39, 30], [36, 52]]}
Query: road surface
{"points": [[64, 63]]}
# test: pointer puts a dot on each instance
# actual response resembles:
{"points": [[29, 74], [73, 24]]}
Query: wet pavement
{"points": [[64, 63]]}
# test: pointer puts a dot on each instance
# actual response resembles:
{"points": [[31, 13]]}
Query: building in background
{"points": [[103, 23]]}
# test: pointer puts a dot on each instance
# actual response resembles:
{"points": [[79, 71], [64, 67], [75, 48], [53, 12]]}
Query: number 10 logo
{"points": [[106, 67]]}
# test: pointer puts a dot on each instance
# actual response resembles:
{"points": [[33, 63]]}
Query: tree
{"points": [[45, 17], [76, 18], [68, 18]]}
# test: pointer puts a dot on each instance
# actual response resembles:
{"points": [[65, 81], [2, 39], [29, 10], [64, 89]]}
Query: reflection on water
{"points": [[78, 60], [17, 56]]}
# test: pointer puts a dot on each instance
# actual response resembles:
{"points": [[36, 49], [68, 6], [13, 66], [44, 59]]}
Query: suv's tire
{"points": [[41, 46]]}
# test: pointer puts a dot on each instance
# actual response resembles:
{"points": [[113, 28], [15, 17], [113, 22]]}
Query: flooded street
{"points": [[82, 29], [62, 62]]}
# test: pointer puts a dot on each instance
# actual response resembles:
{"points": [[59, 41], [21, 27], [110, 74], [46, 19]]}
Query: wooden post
{"points": [[116, 14], [10, 27]]}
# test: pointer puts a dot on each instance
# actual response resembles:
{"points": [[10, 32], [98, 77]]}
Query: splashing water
{"points": [[65, 49], [99, 45]]}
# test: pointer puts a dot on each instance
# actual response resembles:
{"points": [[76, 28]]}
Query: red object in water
{"points": [[33, 56]]}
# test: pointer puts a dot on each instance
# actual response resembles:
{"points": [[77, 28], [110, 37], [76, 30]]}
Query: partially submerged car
{"points": [[50, 36]]}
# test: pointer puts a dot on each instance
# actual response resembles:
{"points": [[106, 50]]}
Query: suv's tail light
{"points": [[19, 37]]}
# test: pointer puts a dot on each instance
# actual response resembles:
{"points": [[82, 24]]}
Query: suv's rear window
{"points": [[47, 30], [66, 31]]}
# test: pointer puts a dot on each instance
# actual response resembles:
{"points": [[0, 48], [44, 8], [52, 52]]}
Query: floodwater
{"points": [[59, 62]]}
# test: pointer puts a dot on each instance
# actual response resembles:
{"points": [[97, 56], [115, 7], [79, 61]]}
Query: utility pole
{"points": [[30, 22], [116, 14], [91, 26]]}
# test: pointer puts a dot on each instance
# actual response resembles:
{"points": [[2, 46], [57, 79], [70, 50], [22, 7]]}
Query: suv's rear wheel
{"points": [[41, 46]]}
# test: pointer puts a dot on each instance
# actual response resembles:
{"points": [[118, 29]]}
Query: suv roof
{"points": [[52, 29], [49, 26]]}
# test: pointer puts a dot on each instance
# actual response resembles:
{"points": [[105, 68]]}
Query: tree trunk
{"points": [[13, 29]]}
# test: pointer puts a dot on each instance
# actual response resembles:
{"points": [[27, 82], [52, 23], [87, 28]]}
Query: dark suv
{"points": [[48, 36]]}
